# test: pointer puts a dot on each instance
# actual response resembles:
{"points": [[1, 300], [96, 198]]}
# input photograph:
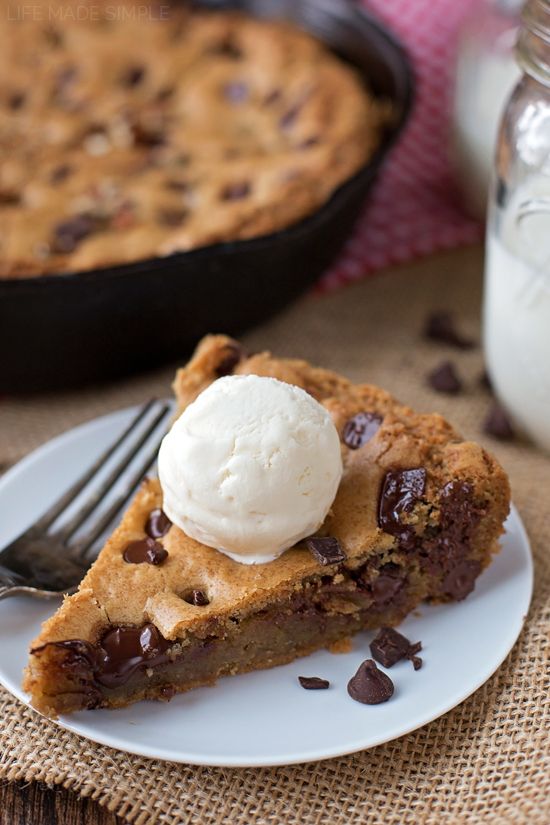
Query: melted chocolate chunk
{"points": [[229, 358], [326, 549], [235, 191], [369, 685], [460, 581], [313, 683], [157, 524], [498, 424], [196, 598], [236, 91], [68, 234], [387, 585], [361, 428], [119, 654], [440, 326], [401, 491], [445, 378], [144, 551], [389, 647]]}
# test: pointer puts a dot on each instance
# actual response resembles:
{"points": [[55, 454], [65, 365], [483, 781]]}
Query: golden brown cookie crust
{"points": [[219, 127]]}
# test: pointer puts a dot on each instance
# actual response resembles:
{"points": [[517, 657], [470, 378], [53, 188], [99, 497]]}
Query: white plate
{"points": [[266, 718]]}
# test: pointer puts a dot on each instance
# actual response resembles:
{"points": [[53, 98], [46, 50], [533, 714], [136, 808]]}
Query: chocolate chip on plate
{"points": [[144, 551], [498, 424], [370, 685], [326, 549], [444, 378], [401, 490], [313, 682], [231, 355], [389, 647], [361, 428], [157, 524], [440, 326]]}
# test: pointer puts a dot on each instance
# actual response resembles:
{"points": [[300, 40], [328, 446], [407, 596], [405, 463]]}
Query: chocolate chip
{"points": [[68, 234], [229, 358], [235, 191], [440, 326], [133, 76], [157, 524], [289, 117], [236, 91], [148, 135], [370, 685], [167, 692], [313, 683], [60, 173], [326, 549], [175, 185], [498, 424], [144, 551], [227, 48], [444, 378], [401, 491], [361, 428], [417, 662], [389, 647], [172, 217], [16, 101], [273, 97], [309, 143], [460, 581], [120, 652], [196, 598], [387, 585]]}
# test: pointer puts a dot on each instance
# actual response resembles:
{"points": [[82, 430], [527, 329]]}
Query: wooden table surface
{"points": [[37, 804]]}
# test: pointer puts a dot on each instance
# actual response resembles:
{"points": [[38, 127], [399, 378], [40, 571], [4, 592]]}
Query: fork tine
{"points": [[65, 533], [67, 498], [108, 517]]}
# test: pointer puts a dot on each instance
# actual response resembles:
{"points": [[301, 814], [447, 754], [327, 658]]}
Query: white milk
{"points": [[484, 81], [517, 309]]}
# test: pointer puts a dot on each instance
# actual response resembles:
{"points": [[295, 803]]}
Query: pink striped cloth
{"points": [[414, 209]]}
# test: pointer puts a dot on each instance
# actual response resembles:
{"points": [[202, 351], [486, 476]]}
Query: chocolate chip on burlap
{"points": [[497, 423], [445, 378], [440, 326]]}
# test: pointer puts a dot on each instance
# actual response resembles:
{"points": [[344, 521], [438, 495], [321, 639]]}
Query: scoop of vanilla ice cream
{"points": [[250, 467]]}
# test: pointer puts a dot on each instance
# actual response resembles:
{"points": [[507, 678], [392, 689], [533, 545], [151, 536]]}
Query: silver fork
{"points": [[46, 563]]}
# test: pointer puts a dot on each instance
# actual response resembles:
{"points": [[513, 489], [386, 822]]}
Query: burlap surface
{"points": [[487, 761]]}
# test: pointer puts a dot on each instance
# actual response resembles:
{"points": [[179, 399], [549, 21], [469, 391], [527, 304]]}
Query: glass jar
{"points": [[485, 74], [517, 269]]}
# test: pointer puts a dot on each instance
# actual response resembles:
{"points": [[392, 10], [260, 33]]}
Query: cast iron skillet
{"points": [[63, 330]]}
